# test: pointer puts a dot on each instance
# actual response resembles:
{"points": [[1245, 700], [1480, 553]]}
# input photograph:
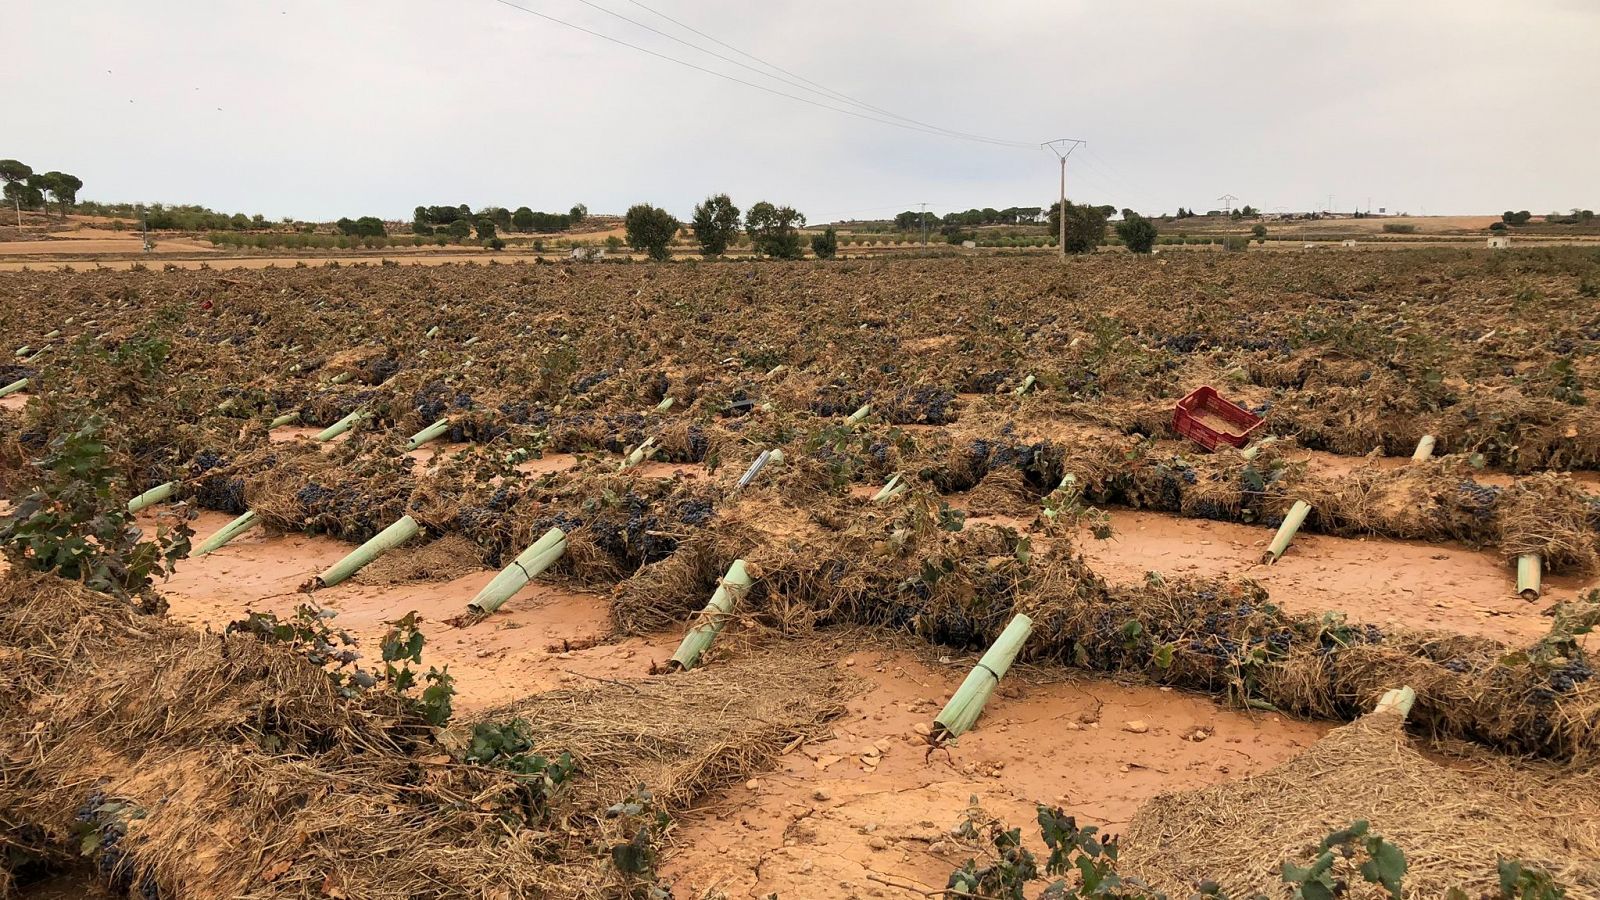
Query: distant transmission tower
{"points": [[1227, 201], [1063, 147]]}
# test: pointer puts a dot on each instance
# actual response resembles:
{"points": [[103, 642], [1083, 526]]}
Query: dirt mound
{"points": [[447, 557], [194, 764], [1452, 821], [906, 569]]}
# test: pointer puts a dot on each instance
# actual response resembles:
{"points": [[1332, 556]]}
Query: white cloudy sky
{"points": [[322, 108]]}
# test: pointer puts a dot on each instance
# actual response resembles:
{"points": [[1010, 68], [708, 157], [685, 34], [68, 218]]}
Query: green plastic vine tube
{"points": [[734, 585]]}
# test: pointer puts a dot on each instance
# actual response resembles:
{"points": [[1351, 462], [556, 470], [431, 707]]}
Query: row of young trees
{"points": [[771, 229], [26, 189], [1086, 228], [913, 220], [429, 219], [1523, 217]]}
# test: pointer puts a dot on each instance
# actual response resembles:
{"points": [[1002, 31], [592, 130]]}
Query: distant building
{"points": [[970, 245], [588, 253], [1499, 241], [1347, 242]]}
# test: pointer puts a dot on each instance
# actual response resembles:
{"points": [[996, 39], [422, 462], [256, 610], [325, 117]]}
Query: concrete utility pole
{"points": [[1063, 147], [924, 225]]}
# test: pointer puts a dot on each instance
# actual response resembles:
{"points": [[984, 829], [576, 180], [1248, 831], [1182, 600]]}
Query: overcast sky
{"points": [[323, 108]]}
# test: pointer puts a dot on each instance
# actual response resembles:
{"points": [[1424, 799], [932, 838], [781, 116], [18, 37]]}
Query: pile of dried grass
{"points": [[839, 561], [897, 568], [1226, 638], [1451, 821], [442, 559], [684, 734], [1549, 515], [253, 779], [1436, 500]]}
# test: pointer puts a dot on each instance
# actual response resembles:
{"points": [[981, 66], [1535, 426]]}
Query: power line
{"points": [[820, 88], [933, 130], [1122, 183], [694, 46]]}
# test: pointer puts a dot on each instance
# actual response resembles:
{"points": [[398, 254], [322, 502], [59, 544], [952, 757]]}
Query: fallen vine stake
{"points": [[1286, 532], [227, 533], [341, 426], [528, 565], [401, 531], [966, 704], [644, 451], [711, 619], [1528, 576], [891, 489], [428, 434], [153, 496]]}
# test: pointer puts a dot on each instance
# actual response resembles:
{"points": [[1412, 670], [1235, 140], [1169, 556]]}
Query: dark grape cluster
{"points": [[382, 369], [1574, 673], [1185, 343], [695, 511], [926, 404], [520, 413], [313, 496], [1478, 499], [587, 382], [985, 383], [219, 493]]}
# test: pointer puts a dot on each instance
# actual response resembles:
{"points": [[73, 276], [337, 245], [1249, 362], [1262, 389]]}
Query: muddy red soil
{"points": [[861, 811], [869, 811], [544, 636]]}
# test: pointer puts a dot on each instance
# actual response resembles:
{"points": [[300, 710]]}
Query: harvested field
{"points": [[963, 441]]}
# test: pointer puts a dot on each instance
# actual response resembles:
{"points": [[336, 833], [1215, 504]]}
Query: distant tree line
{"points": [[26, 188], [366, 226], [181, 217], [913, 220], [772, 230], [426, 220], [1576, 217]]}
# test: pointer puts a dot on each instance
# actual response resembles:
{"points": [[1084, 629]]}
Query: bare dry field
{"points": [[970, 448]]}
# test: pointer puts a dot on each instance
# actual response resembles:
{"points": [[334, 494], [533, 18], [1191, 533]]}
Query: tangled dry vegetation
{"points": [[249, 776], [1494, 354]]}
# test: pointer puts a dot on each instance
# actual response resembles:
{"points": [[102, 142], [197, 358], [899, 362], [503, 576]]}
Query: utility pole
{"points": [[924, 226], [1063, 147], [1227, 201]]}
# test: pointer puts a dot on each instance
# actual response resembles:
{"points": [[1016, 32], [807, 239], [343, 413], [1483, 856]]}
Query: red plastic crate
{"points": [[1207, 419]]}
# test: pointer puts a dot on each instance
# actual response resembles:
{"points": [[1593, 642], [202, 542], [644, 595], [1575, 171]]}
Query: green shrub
{"points": [[1138, 233], [74, 523], [826, 244], [650, 229]]}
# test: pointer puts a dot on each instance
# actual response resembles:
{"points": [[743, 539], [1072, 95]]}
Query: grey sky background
{"points": [[323, 108]]}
